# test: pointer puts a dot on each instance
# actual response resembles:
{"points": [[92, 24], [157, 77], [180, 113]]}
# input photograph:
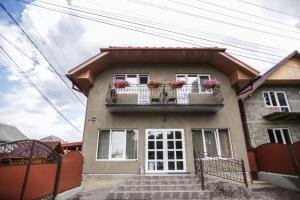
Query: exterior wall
{"points": [[255, 109], [288, 71], [228, 117]]}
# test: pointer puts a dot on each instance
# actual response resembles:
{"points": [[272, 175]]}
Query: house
{"points": [[52, 138], [271, 105], [72, 146], [10, 133], [55, 146], [135, 128]]}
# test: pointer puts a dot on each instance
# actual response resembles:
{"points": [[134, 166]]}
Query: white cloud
{"points": [[79, 39]]}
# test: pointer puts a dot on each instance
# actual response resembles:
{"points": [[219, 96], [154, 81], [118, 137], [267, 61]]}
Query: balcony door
{"points": [[137, 85], [193, 85], [165, 151]]}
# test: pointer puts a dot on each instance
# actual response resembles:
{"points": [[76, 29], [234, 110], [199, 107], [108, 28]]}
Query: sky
{"points": [[259, 33]]}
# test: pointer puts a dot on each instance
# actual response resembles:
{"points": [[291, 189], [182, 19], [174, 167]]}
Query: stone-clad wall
{"points": [[255, 109]]}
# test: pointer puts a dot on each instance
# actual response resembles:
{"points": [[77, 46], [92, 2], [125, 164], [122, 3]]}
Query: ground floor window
{"points": [[213, 142], [117, 144], [279, 135]]}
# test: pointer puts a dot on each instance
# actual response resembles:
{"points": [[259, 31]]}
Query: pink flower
{"points": [[120, 83], [152, 84], [213, 83], [176, 84]]}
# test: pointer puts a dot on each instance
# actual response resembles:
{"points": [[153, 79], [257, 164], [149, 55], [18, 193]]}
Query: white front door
{"points": [[165, 151]]}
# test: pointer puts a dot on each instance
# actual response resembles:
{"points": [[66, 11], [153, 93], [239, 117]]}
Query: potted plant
{"points": [[211, 84], [120, 83], [176, 84], [154, 84]]}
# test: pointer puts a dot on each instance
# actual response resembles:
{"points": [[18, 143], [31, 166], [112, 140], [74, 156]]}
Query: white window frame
{"points": [[165, 152], [276, 99], [137, 75], [282, 135], [217, 138], [124, 148], [198, 75]]}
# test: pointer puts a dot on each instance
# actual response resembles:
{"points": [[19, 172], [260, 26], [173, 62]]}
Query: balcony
{"points": [[139, 98]]}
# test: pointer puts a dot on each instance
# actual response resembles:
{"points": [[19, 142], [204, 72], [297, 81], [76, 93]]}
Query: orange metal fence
{"points": [[41, 179], [278, 158]]}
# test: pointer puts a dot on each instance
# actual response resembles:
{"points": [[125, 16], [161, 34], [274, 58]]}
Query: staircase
{"points": [[155, 187]]}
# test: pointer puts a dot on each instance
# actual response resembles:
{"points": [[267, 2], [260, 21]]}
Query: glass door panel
{"points": [[165, 151], [210, 143], [203, 78], [282, 101], [118, 139]]}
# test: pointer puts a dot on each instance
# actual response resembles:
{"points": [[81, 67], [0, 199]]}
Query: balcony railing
{"points": [[189, 97]]}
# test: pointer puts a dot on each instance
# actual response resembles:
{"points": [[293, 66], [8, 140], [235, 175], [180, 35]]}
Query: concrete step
{"points": [[164, 182], [163, 177], [196, 187], [156, 195]]}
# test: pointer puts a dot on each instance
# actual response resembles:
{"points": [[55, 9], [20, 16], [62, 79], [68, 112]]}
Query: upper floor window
{"points": [[276, 99], [279, 135], [194, 81], [117, 145], [133, 79]]}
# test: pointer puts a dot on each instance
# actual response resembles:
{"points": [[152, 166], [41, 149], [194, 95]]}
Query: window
{"points": [[276, 99], [117, 145], [279, 135], [133, 79], [213, 142], [194, 81]]}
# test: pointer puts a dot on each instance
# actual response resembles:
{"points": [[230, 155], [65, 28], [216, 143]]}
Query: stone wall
{"points": [[255, 109]]}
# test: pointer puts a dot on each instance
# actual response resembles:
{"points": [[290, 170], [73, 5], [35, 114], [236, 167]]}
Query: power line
{"points": [[204, 33], [273, 10], [233, 17], [138, 30], [186, 41], [23, 53], [40, 40], [33, 43], [53, 38], [9, 58], [211, 19], [149, 26], [245, 13]]}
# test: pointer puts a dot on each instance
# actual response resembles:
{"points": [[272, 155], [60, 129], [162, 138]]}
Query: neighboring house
{"points": [[72, 146], [10, 133], [52, 138], [271, 105], [135, 129], [56, 146]]}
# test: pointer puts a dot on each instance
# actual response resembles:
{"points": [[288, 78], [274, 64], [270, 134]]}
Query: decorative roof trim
{"points": [[256, 84]]}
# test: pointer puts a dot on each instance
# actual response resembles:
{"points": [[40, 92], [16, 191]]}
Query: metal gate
{"points": [[28, 153]]}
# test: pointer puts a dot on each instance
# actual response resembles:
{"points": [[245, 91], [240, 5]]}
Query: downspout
{"points": [[250, 149], [245, 126]]}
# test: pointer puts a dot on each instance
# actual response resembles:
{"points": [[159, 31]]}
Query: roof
{"points": [[10, 133], [252, 87], [83, 75], [72, 144], [55, 145], [23, 148], [52, 138]]}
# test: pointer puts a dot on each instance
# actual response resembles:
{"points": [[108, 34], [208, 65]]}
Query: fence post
{"points": [[244, 173], [57, 177], [294, 160], [27, 171], [202, 174]]}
